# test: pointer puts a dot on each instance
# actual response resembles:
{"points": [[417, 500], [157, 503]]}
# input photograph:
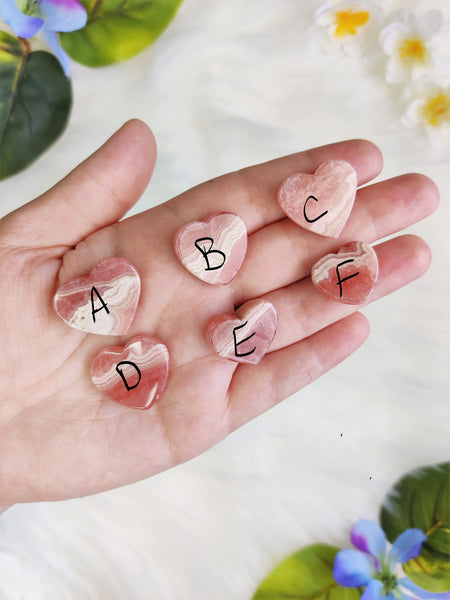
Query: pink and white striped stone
{"points": [[348, 276], [213, 249], [321, 202], [134, 375], [114, 281], [246, 335]]}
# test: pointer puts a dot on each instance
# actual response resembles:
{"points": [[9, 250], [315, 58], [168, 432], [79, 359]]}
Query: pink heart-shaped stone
{"points": [[134, 375], [245, 335], [321, 202], [348, 276], [104, 301], [213, 249]]}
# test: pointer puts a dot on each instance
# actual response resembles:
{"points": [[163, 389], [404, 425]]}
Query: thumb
{"points": [[95, 194]]}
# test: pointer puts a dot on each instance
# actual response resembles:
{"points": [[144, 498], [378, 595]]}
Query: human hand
{"points": [[59, 437]]}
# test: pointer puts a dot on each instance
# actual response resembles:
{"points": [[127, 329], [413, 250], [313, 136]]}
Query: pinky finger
{"points": [[255, 389]]}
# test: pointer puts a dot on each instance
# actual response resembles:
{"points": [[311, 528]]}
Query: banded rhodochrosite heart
{"points": [[321, 202], [245, 335], [213, 249], [348, 276], [104, 301], [134, 375]]}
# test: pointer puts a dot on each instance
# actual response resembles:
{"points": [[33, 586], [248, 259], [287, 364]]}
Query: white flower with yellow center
{"points": [[431, 109], [347, 22], [411, 45]]}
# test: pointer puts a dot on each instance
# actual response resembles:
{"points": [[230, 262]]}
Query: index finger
{"points": [[251, 193]]}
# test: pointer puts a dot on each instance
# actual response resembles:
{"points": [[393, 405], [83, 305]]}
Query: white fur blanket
{"points": [[230, 84]]}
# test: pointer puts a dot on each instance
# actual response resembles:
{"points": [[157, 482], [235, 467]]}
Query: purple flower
{"points": [[378, 568], [28, 17]]}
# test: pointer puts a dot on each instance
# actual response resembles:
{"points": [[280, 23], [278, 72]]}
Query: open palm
{"points": [[59, 437]]}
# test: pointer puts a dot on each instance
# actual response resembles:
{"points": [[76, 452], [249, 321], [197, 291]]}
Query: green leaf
{"points": [[35, 101], [422, 499], [306, 575], [117, 29]]}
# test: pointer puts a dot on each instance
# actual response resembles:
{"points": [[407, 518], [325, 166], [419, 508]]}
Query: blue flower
{"points": [[28, 17], [378, 568]]}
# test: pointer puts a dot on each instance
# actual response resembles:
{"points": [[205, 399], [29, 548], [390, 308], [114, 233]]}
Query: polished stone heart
{"points": [[245, 335], [213, 249], [348, 276], [134, 375], [104, 301], [321, 202]]}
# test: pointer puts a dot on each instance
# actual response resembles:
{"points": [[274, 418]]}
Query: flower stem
{"points": [[26, 44]]}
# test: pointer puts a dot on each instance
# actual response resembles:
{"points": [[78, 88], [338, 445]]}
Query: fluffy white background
{"points": [[231, 84]]}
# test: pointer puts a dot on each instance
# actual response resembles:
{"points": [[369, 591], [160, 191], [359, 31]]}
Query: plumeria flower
{"points": [[411, 45], [28, 17], [347, 22], [430, 109], [379, 568]]}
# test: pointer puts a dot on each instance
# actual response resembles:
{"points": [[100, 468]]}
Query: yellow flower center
{"points": [[413, 50], [347, 22], [437, 110]]}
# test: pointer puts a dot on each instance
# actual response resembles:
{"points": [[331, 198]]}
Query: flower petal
{"points": [[391, 36], [53, 41], [373, 591], [324, 16], [421, 593], [395, 73], [414, 113], [63, 15], [369, 537], [436, 108], [22, 25], [408, 545], [352, 568], [430, 23]]}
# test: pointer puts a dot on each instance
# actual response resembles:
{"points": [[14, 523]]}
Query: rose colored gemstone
{"points": [[134, 375], [245, 335], [104, 302], [321, 202], [213, 249], [348, 276]]}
